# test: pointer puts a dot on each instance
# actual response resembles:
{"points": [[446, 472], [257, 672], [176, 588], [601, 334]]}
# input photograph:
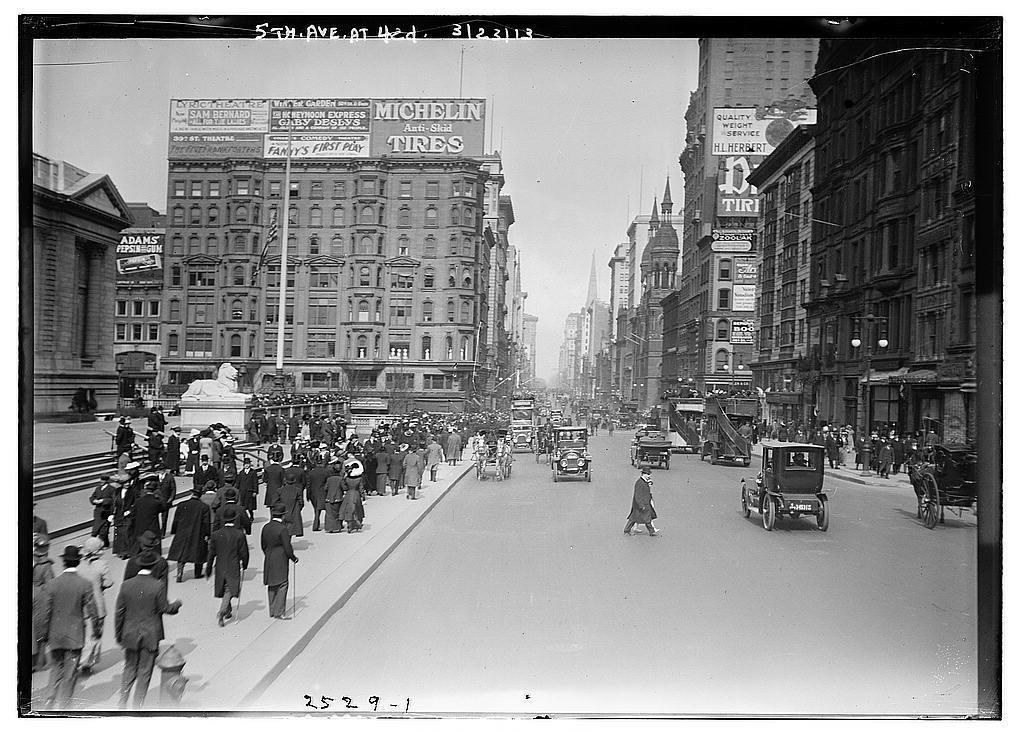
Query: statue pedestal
{"points": [[200, 414]]}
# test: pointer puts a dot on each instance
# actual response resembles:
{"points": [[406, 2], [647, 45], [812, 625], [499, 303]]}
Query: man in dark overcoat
{"points": [[69, 607], [155, 449], [642, 510], [275, 451], [191, 529], [396, 470], [148, 542], [139, 627], [156, 420], [276, 542], [102, 500], [334, 494], [290, 495], [298, 472], [247, 483], [229, 554], [831, 449], [167, 489], [294, 426], [205, 473], [316, 491], [124, 439], [149, 507], [273, 476], [193, 444], [172, 458], [229, 503]]}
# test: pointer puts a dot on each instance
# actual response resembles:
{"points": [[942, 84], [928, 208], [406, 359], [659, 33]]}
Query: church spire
{"points": [[592, 287], [666, 201], [654, 215]]}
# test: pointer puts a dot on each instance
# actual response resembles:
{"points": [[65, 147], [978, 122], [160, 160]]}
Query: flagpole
{"points": [[282, 308]]}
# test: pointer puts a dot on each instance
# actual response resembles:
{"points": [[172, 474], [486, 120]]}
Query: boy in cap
{"points": [[229, 552]]}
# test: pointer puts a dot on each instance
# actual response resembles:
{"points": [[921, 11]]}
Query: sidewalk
{"points": [[851, 474], [227, 668]]}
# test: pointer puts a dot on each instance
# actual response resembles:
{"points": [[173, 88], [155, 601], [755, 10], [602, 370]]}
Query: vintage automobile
{"points": [[945, 479], [650, 447], [523, 437], [789, 484], [569, 456]]}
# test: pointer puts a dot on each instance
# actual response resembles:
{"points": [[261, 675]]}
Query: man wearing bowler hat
{"points": [[229, 553], [71, 606], [148, 509], [247, 484], [276, 542], [642, 510], [191, 529], [148, 542], [139, 626]]}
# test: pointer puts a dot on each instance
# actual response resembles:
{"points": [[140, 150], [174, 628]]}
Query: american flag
{"points": [[271, 236]]}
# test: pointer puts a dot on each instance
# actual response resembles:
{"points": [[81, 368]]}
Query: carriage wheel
{"points": [[744, 506], [823, 515], [768, 513], [932, 507]]}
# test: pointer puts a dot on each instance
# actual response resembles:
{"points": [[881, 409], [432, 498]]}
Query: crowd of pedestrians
{"points": [[330, 474]]}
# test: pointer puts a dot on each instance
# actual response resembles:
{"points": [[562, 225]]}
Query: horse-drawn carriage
{"points": [[945, 479], [650, 447], [494, 453]]}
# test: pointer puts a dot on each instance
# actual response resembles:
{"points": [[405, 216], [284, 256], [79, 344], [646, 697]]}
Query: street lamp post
{"points": [[856, 342], [120, 388]]}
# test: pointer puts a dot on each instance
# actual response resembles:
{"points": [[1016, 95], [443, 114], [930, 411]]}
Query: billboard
{"points": [[326, 128], [139, 258], [742, 332], [736, 197], [743, 298], [756, 130], [744, 270], [732, 240]]}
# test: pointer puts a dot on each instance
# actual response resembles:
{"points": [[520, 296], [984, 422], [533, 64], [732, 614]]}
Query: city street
{"points": [[525, 597]]}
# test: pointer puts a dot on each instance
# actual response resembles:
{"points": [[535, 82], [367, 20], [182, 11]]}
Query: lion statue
{"points": [[224, 386]]}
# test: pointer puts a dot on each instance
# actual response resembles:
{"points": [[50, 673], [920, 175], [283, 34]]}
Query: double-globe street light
{"points": [[881, 340]]}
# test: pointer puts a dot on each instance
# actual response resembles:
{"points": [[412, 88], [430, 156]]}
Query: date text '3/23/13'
{"points": [[373, 704]]}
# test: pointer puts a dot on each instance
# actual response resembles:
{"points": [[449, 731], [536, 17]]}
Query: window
{"points": [[722, 330], [211, 215], [175, 275], [316, 189], [725, 269], [448, 354], [405, 189], [367, 215], [179, 189], [322, 311], [172, 344], [199, 309], [195, 216], [338, 216], [401, 280], [451, 311], [465, 310], [197, 189], [722, 360], [364, 311], [293, 189], [404, 216], [154, 308], [454, 218], [337, 244], [467, 188], [367, 187], [464, 352], [430, 216], [323, 279], [438, 382], [467, 247], [403, 246], [364, 276], [314, 245], [201, 275], [178, 215], [428, 311], [275, 189], [293, 216], [237, 309], [366, 245], [121, 307], [120, 332], [321, 345], [429, 248], [214, 189], [467, 279], [198, 343], [339, 189], [400, 314], [399, 350], [425, 348], [723, 299], [235, 345], [433, 189], [177, 244], [272, 312], [315, 216], [428, 278], [467, 216], [193, 244], [242, 187]]}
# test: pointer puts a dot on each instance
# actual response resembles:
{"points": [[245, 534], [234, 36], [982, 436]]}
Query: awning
{"points": [[885, 377], [918, 376]]}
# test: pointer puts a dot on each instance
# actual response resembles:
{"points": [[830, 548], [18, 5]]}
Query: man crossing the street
{"points": [[642, 510]]}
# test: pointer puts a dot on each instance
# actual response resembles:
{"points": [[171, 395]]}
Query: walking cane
{"points": [[295, 591]]}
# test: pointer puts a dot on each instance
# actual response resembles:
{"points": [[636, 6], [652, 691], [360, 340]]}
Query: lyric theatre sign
{"points": [[326, 128]]}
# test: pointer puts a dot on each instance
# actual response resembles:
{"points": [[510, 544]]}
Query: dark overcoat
{"points": [[642, 510], [138, 617], [316, 488], [172, 458], [200, 477], [242, 521], [276, 542], [298, 473], [247, 484], [71, 605], [291, 496], [146, 516], [273, 476], [229, 557], [352, 501], [191, 529], [395, 467]]}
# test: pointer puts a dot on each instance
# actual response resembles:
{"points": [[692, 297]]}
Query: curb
{"points": [[300, 645]]}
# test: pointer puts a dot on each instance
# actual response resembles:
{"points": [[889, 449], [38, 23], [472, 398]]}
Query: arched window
{"points": [[380, 244], [195, 215], [428, 278], [172, 344], [721, 360], [293, 215], [451, 276], [314, 244], [425, 348], [238, 245], [467, 279], [338, 216], [451, 311], [428, 311], [241, 214], [364, 311], [404, 216], [236, 345], [211, 215], [455, 216], [376, 345], [376, 314], [448, 348], [380, 276], [193, 244], [467, 247], [431, 216], [465, 312], [361, 347], [464, 352], [429, 247], [178, 216], [237, 311], [238, 275], [467, 216], [315, 216], [337, 244], [177, 244], [725, 269], [367, 215], [722, 330], [403, 246], [366, 245], [256, 214], [364, 276], [453, 246]]}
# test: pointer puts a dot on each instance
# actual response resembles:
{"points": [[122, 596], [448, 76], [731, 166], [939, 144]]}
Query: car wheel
{"points": [[744, 506], [768, 513], [823, 515], [932, 509]]}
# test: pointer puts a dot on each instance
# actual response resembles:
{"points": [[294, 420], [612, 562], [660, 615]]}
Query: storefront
{"points": [[784, 406]]}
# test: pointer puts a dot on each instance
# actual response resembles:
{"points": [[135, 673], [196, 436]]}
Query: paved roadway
{"points": [[525, 597]]}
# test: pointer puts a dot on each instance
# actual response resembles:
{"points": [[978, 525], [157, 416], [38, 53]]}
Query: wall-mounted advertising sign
{"points": [[742, 332], [743, 298], [736, 197], [325, 128], [139, 257], [745, 270], [732, 240], [756, 130]]}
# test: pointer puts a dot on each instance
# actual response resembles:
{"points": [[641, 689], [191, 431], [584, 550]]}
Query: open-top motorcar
{"points": [[569, 456], [650, 447], [789, 484]]}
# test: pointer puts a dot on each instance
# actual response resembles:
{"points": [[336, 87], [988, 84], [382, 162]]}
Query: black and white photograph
{"points": [[510, 366]]}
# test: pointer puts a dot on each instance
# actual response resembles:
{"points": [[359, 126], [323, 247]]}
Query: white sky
{"points": [[576, 121]]}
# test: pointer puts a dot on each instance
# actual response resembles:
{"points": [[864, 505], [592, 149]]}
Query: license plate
{"points": [[800, 507]]}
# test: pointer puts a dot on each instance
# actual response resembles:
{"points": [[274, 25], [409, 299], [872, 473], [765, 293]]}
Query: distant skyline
{"points": [[577, 123]]}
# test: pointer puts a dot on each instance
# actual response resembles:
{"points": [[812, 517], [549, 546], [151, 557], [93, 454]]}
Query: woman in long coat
{"points": [[290, 495], [352, 502], [191, 529], [642, 510], [334, 493], [42, 573]]}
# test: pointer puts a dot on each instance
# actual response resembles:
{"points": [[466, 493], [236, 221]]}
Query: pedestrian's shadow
{"points": [[244, 610]]}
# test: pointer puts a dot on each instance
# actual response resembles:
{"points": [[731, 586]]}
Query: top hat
{"points": [[204, 456], [246, 459]]}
